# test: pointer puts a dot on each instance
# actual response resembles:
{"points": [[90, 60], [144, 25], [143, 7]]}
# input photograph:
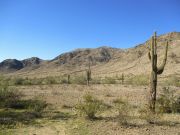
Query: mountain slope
{"points": [[13, 65], [84, 56], [105, 61], [10, 65]]}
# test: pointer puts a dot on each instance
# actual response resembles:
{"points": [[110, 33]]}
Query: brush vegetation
{"points": [[90, 106]]}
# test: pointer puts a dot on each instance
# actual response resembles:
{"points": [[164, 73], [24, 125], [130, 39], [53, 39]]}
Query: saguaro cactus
{"points": [[68, 78], [88, 73], [156, 70], [122, 78]]}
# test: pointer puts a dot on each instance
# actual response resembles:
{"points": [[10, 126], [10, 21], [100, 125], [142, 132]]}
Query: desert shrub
{"points": [[65, 106], [173, 80], [27, 82], [11, 98], [90, 106], [38, 81], [176, 106], [109, 80], [172, 55], [31, 104], [50, 80], [18, 81], [168, 102], [96, 81], [148, 115], [79, 80], [4, 80], [36, 106], [63, 80], [8, 96], [138, 80], [123, 109], [31, 109]]}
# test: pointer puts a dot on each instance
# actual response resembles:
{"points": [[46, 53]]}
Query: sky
{"points": [[48, 28]]}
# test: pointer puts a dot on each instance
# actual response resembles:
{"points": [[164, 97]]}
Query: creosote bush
{"points": [[138, 80], [123, 109], [8, 96], [168, 102], [96, 80], [109, 80], [12, 98], [173, 81], [149, 116], [32, 105], [90, 106], [79, 80]]}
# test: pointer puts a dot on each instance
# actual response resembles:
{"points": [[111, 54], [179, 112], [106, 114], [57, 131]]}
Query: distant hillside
{"points": [[105, 61], [13, 65], [84, 56]]}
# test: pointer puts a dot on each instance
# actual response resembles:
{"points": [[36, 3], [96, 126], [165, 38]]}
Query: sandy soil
{"points": [[64, 97]]}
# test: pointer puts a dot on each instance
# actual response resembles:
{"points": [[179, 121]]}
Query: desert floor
{"points": [[60, 117]]}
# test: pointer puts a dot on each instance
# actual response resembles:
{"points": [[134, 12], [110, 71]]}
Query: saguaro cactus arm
{"points": [[160, 69], [149, 50]]}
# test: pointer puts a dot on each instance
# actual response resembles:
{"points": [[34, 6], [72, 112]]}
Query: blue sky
{"points": [[47, 28]]}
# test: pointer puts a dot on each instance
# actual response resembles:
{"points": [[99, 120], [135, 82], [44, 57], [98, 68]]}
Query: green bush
{"points": [[96, 81], [123, 109], [109, 80], [37, 105], [37, 81], [4, 80], [18, 81], [148, 115], [27, 82], [31, 104], [9, 96], [79, 80], [172, 80], [168, 102], [64, 81], [90, 106], [138, 80], [50, 80]]}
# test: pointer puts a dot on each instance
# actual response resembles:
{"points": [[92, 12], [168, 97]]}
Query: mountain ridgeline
{"points": [[104, 60], [13, 65]]}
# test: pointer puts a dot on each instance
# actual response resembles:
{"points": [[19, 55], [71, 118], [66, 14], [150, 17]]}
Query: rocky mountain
{"points": [[13, 65], [84, 56], [31, 62], [10, 65], [105, 61]]}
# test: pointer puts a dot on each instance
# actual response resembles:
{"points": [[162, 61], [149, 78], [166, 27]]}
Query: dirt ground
{"points": [[62, 119]]}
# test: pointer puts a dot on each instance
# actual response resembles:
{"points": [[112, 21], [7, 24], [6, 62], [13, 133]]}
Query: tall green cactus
{"points": [[122, 78], [88, 73], [68, 78], [156, 70]]}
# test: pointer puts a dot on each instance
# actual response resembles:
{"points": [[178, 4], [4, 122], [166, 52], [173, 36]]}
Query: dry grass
{"points": [[62, 118]]}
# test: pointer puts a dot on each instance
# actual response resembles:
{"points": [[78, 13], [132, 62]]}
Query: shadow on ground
{"points": [[10, 117]]}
